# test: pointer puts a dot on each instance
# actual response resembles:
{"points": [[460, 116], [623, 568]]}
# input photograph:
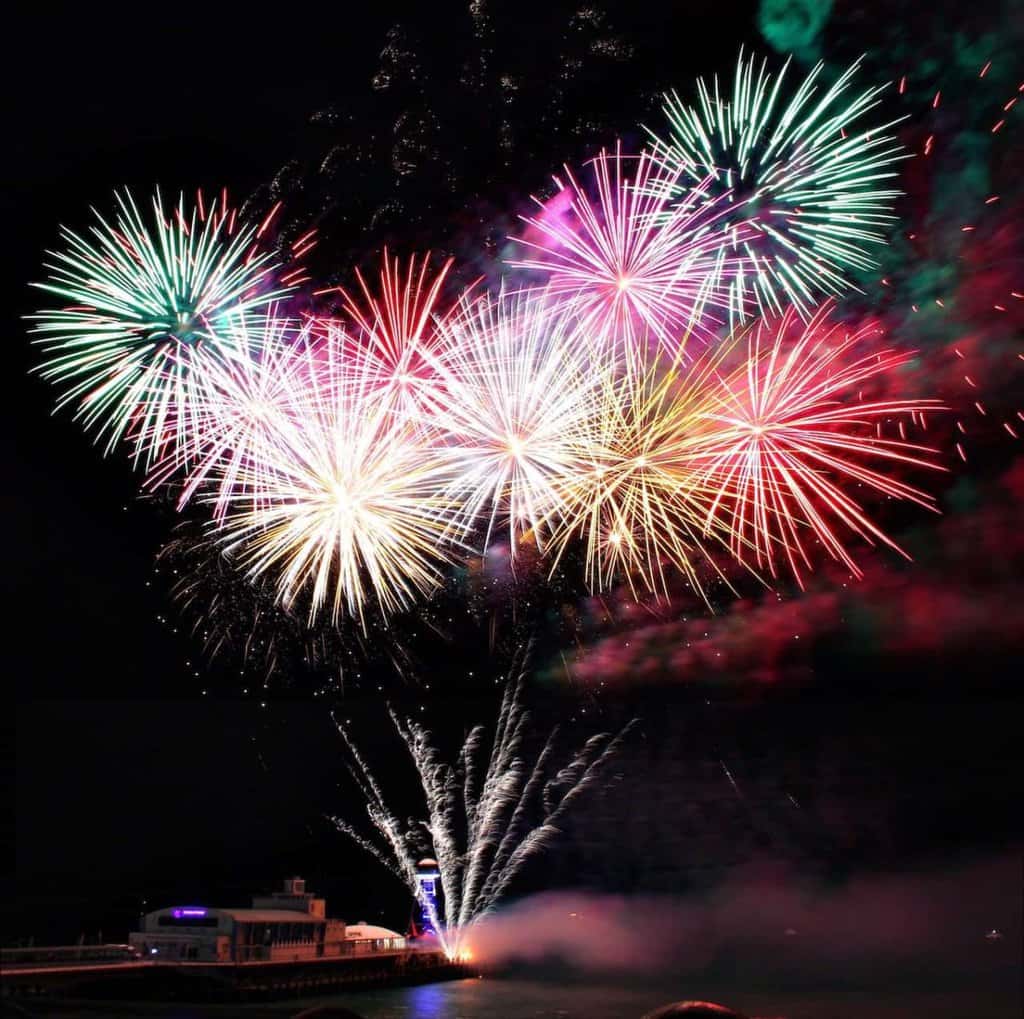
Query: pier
{"points": [[147, 980], [282, 946]]}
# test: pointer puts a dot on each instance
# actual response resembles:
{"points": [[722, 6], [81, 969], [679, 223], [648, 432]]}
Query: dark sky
{"points": [[126, 782], [122, 781]]}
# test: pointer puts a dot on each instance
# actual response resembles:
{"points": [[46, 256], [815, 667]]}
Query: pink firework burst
{"points": [[236, 403], [792, 434], [625, 259]]}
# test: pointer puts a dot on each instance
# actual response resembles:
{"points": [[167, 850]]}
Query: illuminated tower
{"points": [[427, 876]]}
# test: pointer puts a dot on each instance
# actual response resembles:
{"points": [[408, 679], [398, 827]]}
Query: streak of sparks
{"points": [[521, 391], [488, 814], [236, 406], [628, 262], [395, 327], [635, 501]]}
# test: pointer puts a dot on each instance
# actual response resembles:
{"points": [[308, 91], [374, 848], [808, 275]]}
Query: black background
{"points": [[129, 785]]}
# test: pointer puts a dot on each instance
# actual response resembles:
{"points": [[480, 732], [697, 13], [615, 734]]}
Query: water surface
{"points": [[489, 998]]}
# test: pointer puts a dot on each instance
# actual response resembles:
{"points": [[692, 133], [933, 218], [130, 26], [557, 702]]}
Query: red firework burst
{"points": [[793, 433], [394, 328]]}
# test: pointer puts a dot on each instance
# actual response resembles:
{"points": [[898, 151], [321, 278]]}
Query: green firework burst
{"points": [[141, 299], [807, 173]]}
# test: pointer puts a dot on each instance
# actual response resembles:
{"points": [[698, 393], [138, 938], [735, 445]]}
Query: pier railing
{"points": [[66, 955], [301, 951]]}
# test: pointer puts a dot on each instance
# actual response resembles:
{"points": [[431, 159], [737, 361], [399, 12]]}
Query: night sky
{"points": [[141, 771]]}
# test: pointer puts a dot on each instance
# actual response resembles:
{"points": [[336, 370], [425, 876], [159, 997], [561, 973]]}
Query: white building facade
{"points": [[286, 926]]}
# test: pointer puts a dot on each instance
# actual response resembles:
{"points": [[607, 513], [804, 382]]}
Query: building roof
{"points": [[242, 915], [368, 930]]}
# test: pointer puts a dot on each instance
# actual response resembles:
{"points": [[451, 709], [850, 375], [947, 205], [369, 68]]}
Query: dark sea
{"points": [[524, 999], [503, 998]]}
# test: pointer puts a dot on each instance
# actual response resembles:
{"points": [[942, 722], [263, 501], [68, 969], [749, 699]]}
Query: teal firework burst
{"points": [[141, 300], [805, 170]]}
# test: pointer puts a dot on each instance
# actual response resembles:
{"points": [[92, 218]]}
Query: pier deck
{"points": [[225, 981]]}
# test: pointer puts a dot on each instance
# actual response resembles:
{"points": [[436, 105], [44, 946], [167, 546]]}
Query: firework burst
{"points": [[638, 505], [486, 815], [395, 328], [807, 174], [236, 404], [521, 392], [790, 433], [341, 500], [143, 298], [629, 262]]}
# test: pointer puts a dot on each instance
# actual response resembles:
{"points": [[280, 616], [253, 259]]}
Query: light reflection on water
{"points": [[431, 1001]]}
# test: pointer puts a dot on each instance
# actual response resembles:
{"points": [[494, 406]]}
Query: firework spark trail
{"points": [[341, 500], [482, 828], [631, 262], [144, 299], [521, 389], [789, 430], [805, 174]]}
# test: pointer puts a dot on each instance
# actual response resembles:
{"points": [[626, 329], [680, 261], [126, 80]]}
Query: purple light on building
{"points": [[427, 876], [188, 911]]}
